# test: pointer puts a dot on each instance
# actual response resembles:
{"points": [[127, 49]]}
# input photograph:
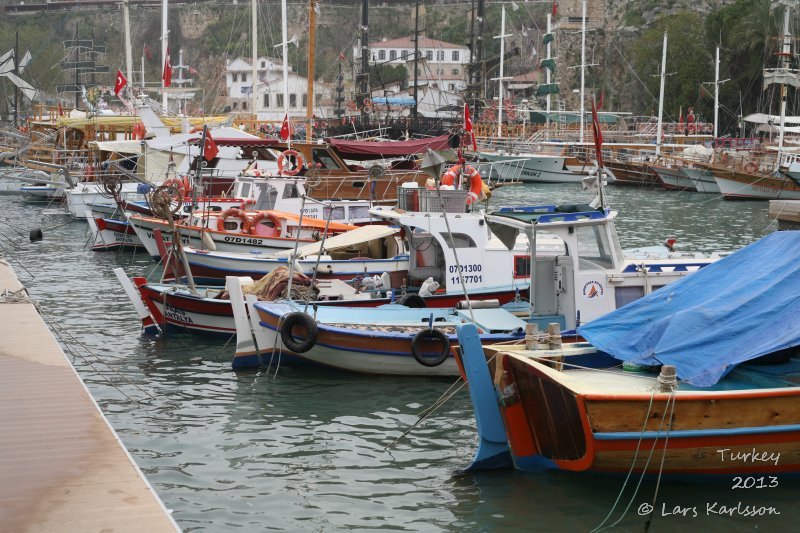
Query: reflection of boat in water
{"points": [[697, 379]]}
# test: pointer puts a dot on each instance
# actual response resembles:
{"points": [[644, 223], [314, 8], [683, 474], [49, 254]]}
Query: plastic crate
{"points": [[454, 201]]}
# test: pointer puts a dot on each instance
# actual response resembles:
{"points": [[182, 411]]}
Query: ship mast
{"points": [[312, 53]]}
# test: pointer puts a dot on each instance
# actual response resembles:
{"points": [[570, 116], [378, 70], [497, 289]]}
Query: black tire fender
{"points": [[430, 335], [302, 320], [414, 301]]}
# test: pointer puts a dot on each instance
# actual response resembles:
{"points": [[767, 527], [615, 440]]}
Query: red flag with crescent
{"points": [[286, 128], [210, 149], [468, 127], [598, 136], [167, 75], [121, 82]]}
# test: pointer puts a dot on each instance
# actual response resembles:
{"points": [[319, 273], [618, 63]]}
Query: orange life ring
{"points": [[233, 212], [367, 102], [750, 167], [177, 184], [247, 202], [256, 220], [449, 177], [282, 162], [475, 185]]}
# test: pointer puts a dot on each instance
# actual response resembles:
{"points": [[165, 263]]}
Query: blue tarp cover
{"points": [[736, 309], [394, 100]]}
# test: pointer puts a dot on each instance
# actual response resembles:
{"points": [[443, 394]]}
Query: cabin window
{"points": [[338, 213], [245, 190], [455, 55], [323, 158], [594, 250], [358, 212], [626, 295], [290, 191], [392, 54], [461, 240], [522, 266]]}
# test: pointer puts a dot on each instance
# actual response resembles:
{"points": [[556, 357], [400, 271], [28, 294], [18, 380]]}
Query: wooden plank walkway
{"points": [[62, 465]]}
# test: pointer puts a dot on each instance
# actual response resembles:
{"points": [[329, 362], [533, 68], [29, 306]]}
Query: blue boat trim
{"points": [[697, 433]]}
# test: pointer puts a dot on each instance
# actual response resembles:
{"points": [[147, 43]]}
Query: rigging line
{"points": [[425, 414], [17, 260], [627, 63], [663, 458]]}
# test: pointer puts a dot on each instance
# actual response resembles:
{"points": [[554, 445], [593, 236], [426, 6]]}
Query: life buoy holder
{"points": [[294, 320], [430, 336], [750, 167], [233, 212], [177, 184], [298, 162], [256, 220]]}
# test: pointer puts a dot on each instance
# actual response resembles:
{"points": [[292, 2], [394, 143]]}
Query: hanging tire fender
{"points": [[302, 320], [414, 301], [430, 335]]}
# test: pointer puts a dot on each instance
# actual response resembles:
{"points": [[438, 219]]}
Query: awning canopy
{"points": [[763, 118], [734, 310], [365, 150], [351, 238], [394, 100]]}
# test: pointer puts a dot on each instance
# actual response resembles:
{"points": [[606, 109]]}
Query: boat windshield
{"points": [[594, 250]]}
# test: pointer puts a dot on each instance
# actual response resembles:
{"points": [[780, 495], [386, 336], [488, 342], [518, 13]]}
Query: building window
{"points": [[317, 99], [452, 86], [236, 105], [264, 64], [455, 72], [235, 77], [292, 100], [279, 103], [244, 76], [455, 55], [266, 99], [305, 99], [392, 54], [382, 55], [429, 55], [244, 105], [440, 55], [404, 54]]}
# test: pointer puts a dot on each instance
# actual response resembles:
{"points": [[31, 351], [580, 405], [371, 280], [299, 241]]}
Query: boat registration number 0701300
{"points": [[470, 273]]}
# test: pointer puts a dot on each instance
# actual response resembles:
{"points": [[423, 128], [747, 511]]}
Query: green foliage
{"points": [[381, 75], [688, 57]]}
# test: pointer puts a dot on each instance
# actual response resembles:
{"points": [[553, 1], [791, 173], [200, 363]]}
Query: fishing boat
{"points": [[699, 378]]}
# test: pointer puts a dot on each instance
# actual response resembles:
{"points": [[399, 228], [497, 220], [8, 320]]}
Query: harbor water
{"points": [[296, 449]]}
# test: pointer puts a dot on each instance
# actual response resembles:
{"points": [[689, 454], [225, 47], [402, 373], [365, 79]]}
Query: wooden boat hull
{"points": [[741, 186], [673, 179], [367, 349], [180, 310], [632, 173], [551, 424]]}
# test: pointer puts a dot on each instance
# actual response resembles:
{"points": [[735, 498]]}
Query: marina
{"points": [[301, 448], [454, 268]]}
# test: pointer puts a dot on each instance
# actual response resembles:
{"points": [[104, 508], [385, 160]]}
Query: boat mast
{"points": [[475, 87], [547, 74], [16, 73], [312, 53], [126, 17], [285, 49], [716, 94], [164, 39], [500, 79], [583, 66], [254, 52], [416, 58], [362, 84], [785, 55], [661, 95]]}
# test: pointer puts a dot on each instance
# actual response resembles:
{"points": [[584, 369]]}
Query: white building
{"points": [[441, 65], [270, 91]]}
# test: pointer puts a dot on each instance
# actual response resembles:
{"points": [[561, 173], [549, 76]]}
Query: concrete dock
{"points": [[62, 465]]}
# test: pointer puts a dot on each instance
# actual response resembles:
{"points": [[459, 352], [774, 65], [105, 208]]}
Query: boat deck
{"points": [[62, 466]]}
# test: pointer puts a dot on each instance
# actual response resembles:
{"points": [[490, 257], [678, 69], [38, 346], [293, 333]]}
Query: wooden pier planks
{"points": [[62, 467]]}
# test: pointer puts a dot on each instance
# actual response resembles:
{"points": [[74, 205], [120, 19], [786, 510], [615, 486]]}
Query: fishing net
{"points": [[273, 287]]}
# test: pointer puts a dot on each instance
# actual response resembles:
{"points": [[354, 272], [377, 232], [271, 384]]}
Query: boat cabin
{"points": [[591, 276]]}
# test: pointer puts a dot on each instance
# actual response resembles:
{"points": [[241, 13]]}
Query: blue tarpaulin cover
{"points": [[736, 309], [394, 100]]}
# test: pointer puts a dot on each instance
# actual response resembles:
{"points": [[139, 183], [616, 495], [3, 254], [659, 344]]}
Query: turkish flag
{"points": [[60, 110], [210, 149], [167, 75], [598, 136], [286, 128], [120, 83], [468, 127], [555, 8]]}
